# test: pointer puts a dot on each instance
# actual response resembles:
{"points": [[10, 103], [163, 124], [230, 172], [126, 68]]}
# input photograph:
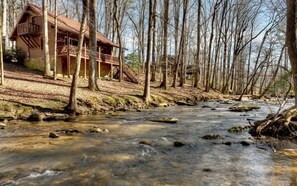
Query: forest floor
{"points": [[26, 91]]}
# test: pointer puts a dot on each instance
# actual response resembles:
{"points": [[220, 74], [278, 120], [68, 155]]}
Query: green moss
{"points": [[156, 98], [130, 100], [35, 63], [120, 101], [110, 101]]}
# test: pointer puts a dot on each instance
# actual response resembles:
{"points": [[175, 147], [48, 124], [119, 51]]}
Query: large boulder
{"points": [[2, 125], [36, 116], [165, 120], [243, 107]]}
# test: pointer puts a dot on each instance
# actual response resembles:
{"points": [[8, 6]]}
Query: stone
{"points": [[166, 120], [55, 117], [228, 143], [227, 102], [246, 142], [98, 130], [2, 126], [206, 106], [35, 116], [211, 137], [7, 118], [178, 144], [69, 131], [145, 143], [184, 103], [163, 105], [206, 170], [243, 107], [53, 135], [70, 119], [238, 129]]}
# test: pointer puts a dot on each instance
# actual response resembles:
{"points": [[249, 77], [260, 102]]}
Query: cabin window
{"points": [[73, 42], [105, 50], [36, 20]]}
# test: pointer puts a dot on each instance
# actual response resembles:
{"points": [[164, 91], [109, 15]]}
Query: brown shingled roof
{"points": [[67, 24]]}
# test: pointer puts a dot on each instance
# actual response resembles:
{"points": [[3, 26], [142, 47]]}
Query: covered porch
{"points": [[105, 62]]}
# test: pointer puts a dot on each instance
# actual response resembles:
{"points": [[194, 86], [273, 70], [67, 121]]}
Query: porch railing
{"points": [[63, 49], [28, 28]]}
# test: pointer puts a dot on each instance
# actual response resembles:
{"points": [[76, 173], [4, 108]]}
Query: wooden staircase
{"points": [[129, 72]]}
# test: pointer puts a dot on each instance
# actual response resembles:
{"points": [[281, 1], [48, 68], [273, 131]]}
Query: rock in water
{"points": [[246, 142], [145, 143], [98, 130], [53, 135], [178, 144], [2, 126], [184, 103], [35, 116], [165, 120], [211, 137], [243, 107], [228, 143]]}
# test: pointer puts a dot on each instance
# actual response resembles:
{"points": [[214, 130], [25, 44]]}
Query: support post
{"points": [[68, 55], [85, 62], [99, 61], [111, 71]]}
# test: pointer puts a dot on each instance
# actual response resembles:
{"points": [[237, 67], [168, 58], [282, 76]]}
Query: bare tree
{"points": [[93, 44], [146, 93], [46, 58], [72, 104], [197, 70], [118, 28], [55, 42], [154, 63], [291, 40], [1, 44], [165, 38]]}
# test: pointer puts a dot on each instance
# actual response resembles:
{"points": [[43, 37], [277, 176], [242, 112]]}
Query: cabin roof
{"points": [[64, 24]]}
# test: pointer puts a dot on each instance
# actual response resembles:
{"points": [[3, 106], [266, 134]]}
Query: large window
{"points": [[73, 42]]}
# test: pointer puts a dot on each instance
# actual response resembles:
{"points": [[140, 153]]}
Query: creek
{"points": [[29, 157]]}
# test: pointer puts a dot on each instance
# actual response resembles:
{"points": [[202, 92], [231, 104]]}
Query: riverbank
{"points": [[26, 92]]}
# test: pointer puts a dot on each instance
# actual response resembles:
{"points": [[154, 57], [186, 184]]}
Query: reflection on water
{"points": [[29, 157]]}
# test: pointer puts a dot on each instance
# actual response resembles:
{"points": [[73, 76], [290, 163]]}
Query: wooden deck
{"points": [[72, 50], [28, 28]]}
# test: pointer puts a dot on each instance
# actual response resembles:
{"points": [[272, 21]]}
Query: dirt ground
{"points": [[27, 86]]}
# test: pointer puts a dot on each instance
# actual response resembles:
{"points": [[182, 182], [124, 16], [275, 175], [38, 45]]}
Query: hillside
{"points": [[26, 88]]}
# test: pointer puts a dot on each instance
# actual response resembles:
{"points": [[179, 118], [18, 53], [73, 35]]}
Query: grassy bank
{"points": [[26, 91]]}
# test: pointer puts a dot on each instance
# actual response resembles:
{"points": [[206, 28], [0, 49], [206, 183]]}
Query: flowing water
{"points": [[29, 157]]}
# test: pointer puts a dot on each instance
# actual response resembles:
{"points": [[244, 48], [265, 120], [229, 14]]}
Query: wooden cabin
{"points": [[28, 34]]}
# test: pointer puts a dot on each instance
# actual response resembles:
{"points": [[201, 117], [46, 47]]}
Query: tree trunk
{"points": [[92, 44], [55, 42], [165, 39], [154, 65], [1, 44], [4, 21], [118, 27], [146, 93], [72, 104], [46, 58], [208, 75], [292, 40], [197, 69]]}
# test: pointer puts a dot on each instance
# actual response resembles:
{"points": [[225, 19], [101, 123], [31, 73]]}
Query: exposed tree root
{"points": [[283, 125]]}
